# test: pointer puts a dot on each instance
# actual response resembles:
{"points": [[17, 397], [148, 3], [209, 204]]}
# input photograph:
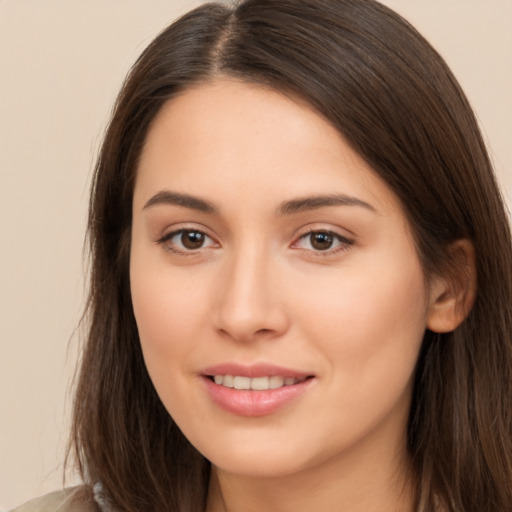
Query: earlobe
{"points": [[452, 295]]}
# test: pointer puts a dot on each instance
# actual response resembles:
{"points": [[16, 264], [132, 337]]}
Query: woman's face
{"points": [[267, 255]]}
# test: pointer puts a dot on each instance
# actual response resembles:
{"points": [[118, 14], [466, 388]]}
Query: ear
{"points": [[452, 295]]}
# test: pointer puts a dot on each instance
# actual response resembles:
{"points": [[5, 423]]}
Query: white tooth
{"points": [[276, 382], [218, 379], [228, 381], [242, 382], [289, 381], [259, 383]]}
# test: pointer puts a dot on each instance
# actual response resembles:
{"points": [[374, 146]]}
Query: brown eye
{"points": [[192, 239], [321, 240], [187, 241]]}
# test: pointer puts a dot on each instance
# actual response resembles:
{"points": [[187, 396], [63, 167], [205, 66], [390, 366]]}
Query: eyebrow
{"points": [[286, 208], [322, 201], [178, 199]]}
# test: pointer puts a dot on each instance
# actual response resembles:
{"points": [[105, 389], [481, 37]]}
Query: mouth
{"points": [[255, 390], [263, 383]]}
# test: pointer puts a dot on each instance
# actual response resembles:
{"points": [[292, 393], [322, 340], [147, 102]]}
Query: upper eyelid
{"points": [[171, 231], [323, 230], [326, 227], [340, 237], [172, 234]]}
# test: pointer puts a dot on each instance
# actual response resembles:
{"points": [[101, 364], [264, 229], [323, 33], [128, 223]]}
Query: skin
{"points": [[258, 290]]}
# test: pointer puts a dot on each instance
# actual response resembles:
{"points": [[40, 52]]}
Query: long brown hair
{"points": [[394, 99]]}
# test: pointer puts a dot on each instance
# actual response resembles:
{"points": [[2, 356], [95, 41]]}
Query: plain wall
{"points": [[61, 65]]}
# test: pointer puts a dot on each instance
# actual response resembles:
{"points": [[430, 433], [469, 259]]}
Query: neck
{"points": [[373, 478]]}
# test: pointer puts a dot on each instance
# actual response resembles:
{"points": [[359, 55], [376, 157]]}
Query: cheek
{"points": [[369, 332], [169, 309], [370, 322]]}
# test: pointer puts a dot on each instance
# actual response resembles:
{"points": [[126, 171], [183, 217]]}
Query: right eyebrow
{"points": [[179, 199], [315, 202]]}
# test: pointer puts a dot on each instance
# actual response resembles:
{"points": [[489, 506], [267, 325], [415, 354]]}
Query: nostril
{"points": [[263, 331]]}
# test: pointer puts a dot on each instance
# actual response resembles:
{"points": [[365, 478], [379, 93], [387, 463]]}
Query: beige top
{"points": [[74, 499]]}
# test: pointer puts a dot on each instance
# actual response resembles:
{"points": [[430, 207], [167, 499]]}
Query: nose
{"points": [[249, 303]]}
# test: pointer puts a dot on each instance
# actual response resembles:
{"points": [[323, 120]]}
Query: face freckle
{"points": [[253, 175]]}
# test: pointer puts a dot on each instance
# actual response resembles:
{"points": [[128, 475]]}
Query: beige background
{"points": [[61, 64]]}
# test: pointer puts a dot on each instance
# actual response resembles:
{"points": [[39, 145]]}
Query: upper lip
{"points": [[253, 370]]}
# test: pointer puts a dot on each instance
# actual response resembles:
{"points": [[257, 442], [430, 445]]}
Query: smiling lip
{"points": [[249, 402]]}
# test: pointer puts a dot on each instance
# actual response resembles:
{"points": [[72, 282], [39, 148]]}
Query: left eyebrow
{"points": [[314, 202], [184, 200]]}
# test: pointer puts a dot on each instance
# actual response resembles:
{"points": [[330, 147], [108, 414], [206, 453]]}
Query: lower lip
{"points": [[254, 403]]}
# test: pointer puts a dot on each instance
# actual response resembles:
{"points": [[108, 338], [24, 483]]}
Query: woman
{"points": [[301, 288]]}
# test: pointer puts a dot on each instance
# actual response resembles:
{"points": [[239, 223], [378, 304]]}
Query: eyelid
{"points": [[165, 239], [344, 242]]}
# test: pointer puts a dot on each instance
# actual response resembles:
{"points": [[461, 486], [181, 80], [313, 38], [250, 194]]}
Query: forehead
{"points": [[240, 137]]}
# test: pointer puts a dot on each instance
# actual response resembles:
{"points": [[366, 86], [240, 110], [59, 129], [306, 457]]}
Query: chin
{"points": [[262, 466], [261, 459]]}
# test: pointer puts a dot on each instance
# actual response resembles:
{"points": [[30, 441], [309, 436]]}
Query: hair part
{"points": [[392, 97]]}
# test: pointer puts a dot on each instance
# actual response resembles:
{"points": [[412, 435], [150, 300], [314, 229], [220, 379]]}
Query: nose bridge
{"points": [[248, 300]]}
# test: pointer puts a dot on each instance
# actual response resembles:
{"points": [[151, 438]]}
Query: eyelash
{"points": [[343, 242], [164, 241]]}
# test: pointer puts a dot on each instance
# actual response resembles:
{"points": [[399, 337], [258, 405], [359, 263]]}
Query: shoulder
{"points": [[75, 499]]}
